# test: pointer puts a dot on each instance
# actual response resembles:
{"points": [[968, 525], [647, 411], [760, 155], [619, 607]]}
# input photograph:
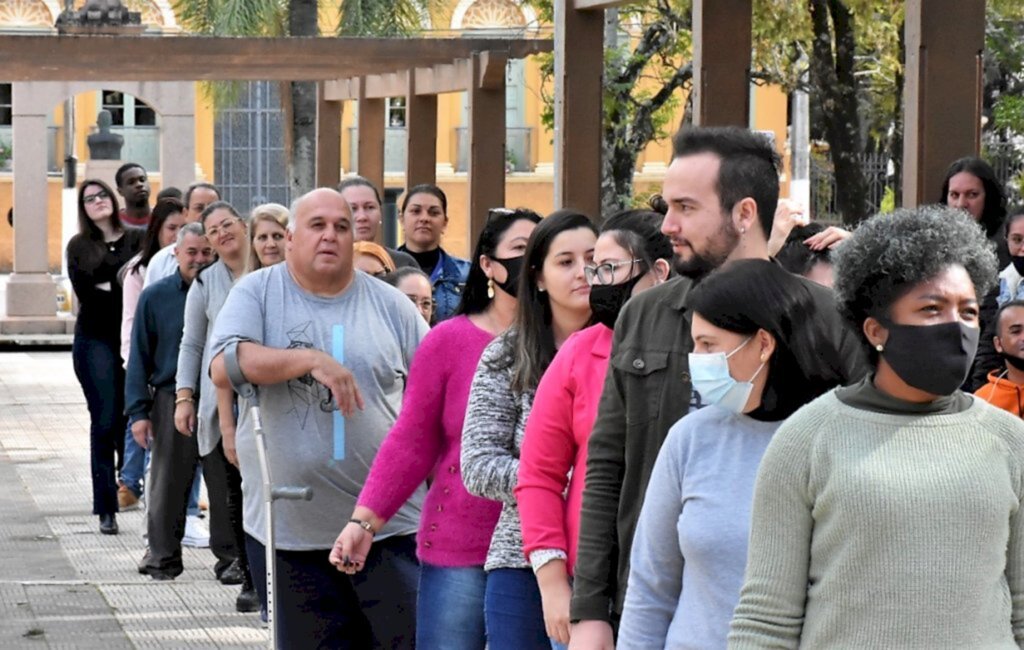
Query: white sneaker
{"points": [[196, 534]]}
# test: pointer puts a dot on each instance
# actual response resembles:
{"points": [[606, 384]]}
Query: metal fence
{"points": [[823, 184], [1006, 159], [249, 157]]}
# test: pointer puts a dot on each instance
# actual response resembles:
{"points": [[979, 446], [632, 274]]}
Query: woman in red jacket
{"points": [[631, 255]]}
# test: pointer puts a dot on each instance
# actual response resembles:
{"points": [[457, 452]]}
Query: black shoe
{"points": [[169, 572], [248, 600], [233, 575], [160, 576], [108, 524]]}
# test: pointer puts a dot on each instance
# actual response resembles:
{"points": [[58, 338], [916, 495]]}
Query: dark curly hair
{"points": [[891, 253]]}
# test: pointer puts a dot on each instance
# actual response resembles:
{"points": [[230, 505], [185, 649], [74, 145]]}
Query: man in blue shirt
{"points": [[149, 396]]}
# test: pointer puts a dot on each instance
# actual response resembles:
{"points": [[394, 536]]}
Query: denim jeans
{"points": [[136, 462], [450, 609], [317, 606], [97, 364], [513, 611]]}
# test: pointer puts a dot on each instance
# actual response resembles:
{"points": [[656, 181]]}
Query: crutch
{"points": [[270, 493]]}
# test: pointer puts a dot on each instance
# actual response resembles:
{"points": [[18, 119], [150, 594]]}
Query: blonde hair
{"points": [[377, 251], [269, 212]]}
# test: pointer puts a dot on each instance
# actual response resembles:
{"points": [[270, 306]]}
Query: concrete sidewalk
{"points": [[62, 584]]}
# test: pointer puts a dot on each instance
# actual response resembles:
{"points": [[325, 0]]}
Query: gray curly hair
{"points": [[890, 253]]}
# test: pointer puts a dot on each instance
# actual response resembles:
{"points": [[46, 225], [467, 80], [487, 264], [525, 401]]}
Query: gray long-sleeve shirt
{"points": [[690, 549], [205, 299], [492, 436]]}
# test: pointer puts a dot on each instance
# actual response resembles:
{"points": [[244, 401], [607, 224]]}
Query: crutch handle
{"points": [[292, 493]]}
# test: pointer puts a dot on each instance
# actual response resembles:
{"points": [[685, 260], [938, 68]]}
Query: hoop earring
{"points": [[490, 288]]}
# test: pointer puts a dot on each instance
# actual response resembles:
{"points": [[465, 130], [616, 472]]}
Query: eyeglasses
{"points": [[224, 225], [422, 303], [604, 273], [98, 196]]}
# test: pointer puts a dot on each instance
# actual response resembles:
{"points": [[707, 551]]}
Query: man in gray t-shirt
{"points": [[329, 348]]}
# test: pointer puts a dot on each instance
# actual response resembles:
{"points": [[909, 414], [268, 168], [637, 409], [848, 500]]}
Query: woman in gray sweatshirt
{"points": [[751, 367], [890, 513]]}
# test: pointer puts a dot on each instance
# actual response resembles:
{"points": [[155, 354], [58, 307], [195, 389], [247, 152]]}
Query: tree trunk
{"points": [[301, 109], [896, 141], [834, 77]]}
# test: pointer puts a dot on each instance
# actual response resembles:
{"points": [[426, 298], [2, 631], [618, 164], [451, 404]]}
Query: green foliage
{"points": [[233, 17], [888, 201], [1008, 113], [6, 153], [382, 19]]}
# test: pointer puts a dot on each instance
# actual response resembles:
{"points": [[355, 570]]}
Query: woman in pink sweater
{"points": [[455, 527], [631, 255]]}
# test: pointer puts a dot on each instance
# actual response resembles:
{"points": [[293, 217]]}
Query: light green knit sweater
{"points": [[873, 530]]}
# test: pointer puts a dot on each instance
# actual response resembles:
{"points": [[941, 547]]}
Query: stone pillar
{"points": [[177, 135], [31, 291], [942, 92]]}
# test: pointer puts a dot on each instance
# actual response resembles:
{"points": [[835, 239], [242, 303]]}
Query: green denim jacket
{"points": [[646, 391]]}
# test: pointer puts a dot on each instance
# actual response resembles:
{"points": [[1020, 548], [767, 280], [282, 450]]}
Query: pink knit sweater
{"points": [[555, 445], [455, 528]]}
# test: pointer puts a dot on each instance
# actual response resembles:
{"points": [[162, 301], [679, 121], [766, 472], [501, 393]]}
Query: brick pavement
{"points": [[62, 584]]}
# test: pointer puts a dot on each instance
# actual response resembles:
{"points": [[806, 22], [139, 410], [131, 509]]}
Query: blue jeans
{"points": [[317, 606], [97, 364], [450, 609], [133, 469], [136, 459], [513, 611]]}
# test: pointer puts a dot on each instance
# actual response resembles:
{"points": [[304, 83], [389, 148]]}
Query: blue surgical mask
{"points": [[709, 374]]}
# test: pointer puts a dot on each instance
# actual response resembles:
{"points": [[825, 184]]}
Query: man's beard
{"points": [[720, 247]]}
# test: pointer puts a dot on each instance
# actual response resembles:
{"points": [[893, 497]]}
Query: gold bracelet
{"points": [[181, 400]]}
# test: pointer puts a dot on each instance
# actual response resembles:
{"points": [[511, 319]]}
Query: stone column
{"points": [[177, 134], [31, 291]]}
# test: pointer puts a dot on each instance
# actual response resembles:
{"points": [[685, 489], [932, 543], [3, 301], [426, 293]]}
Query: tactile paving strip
{"points": [[44, 433]]}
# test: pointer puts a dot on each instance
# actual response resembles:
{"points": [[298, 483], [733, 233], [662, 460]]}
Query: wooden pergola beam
{"points": [[941, 92], [371, 126], [579, 36], [436, 80], [421, 136], [600, 4], [328, 140], [721, 62], [486, 147], [191, 58]]}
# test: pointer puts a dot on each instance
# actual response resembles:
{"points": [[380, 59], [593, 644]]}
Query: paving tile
{"points": [[62, 584]]}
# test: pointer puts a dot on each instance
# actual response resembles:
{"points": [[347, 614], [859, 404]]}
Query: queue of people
{"points": [[706, 424]]}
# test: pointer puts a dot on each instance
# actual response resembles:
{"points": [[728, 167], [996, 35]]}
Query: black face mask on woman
{"points": [[932, 358], [513, 269], [1018, 263], [606, 300]]}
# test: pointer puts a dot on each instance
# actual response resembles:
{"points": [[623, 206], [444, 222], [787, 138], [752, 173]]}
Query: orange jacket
{"points": [[1003, 393]]}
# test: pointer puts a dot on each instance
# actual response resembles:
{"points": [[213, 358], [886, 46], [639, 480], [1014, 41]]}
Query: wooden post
{"points": [[328, 139], [579, 61], [721, 62], [486, 142], [421, 136], [371, 137], [942, 92]]}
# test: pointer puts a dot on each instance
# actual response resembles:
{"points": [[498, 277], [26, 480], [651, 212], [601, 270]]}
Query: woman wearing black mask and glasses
{"points": [[630, 255], [455, 529], [891, 512]]}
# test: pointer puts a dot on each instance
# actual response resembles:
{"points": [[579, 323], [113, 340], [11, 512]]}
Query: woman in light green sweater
{"points": [[890, 513]]}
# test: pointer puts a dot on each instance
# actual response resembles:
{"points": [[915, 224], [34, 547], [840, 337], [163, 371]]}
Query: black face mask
{"points": [[1016, 362], [513, 269], [606, 300], [1018, 263], [932, 358]]}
